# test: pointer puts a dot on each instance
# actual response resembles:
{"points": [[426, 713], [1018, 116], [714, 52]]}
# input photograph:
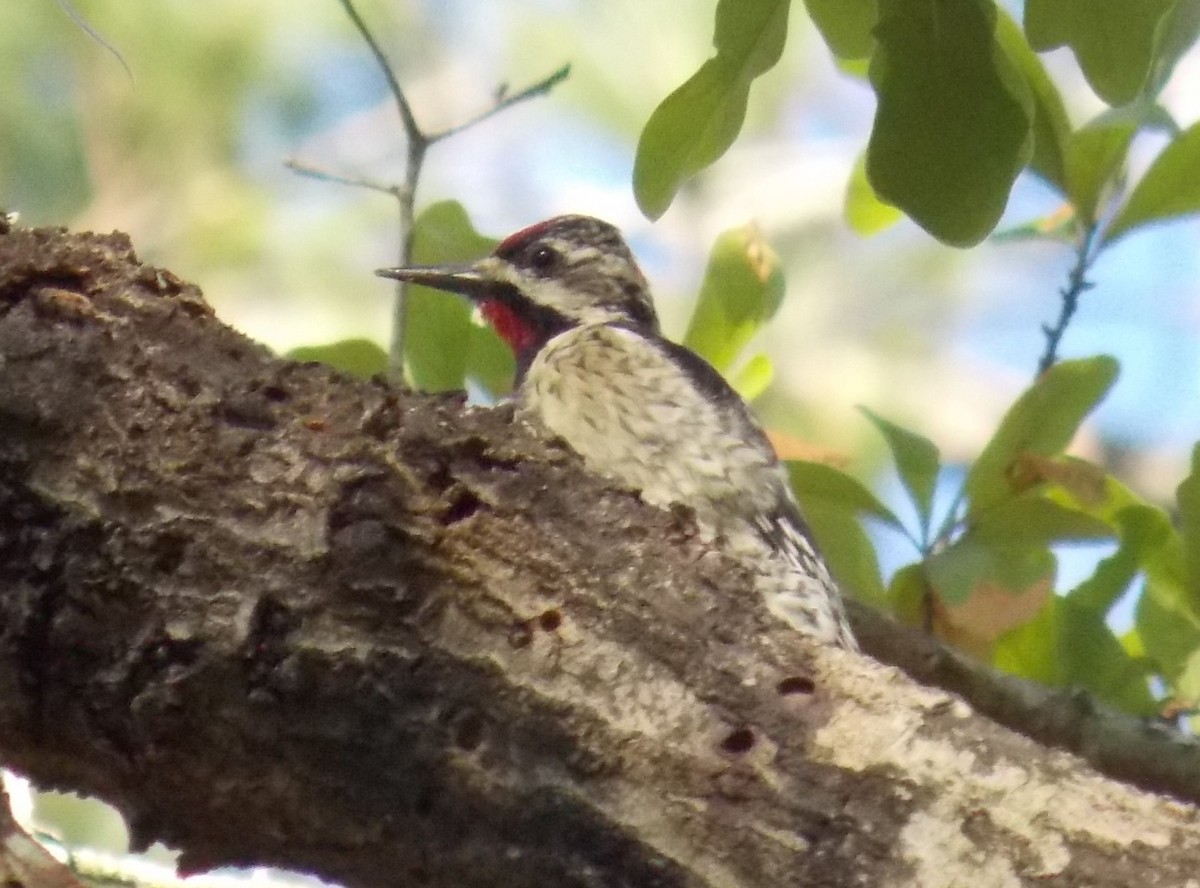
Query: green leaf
{"points": [[817, 482], [753, 378], [1096, 155], [1069, 645], [1042, 421], [864, 211], [1051, 127], [832, 502], [1093, 658], [743, 286], [855, 68], [917, 461], [953, 124], [1030, 650], [435, 343], [907, 593], [441, 335], [1166, 618], [444, 233], [358, 357], [1143, 529], [1177, 33], [1079, 484], [1170, 632], [1113, 40], [968, 566], [698, 122], [1170, 188], [489, 361], [1033, 520], [847, 550], [1186, 687], [1061, 225], [1187, 495], [845, 25]]}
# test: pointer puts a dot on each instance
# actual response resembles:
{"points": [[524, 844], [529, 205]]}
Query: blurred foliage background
{"points": [[186, 155]]}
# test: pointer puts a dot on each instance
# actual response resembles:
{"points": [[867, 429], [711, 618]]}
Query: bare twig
{"points": [[95, 35], [1077, 285], [505, 101], [315, 172], [406, 114], [405, 193]]}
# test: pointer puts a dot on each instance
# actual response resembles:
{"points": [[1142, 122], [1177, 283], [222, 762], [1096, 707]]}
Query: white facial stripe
{"points": [[579, 255], [571, 303], [498, 269]]}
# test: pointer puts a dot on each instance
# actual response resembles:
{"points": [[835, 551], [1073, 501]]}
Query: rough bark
{"points": [[277, 615]]}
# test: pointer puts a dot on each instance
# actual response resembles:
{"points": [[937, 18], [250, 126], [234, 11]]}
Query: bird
{"points": [[594, 369]]}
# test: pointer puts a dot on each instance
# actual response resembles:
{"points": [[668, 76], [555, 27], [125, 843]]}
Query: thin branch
{"points": [[405, 194], [418, 142], [504, 102], [1077, 285], [79, 20], [315, 172], [406, 115]]}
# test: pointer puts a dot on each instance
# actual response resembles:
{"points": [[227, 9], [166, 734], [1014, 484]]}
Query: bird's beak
{"points": [[467, 280]]}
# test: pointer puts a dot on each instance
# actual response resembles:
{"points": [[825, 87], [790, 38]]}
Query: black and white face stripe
{"points": [[566, 272], [577, 267]]}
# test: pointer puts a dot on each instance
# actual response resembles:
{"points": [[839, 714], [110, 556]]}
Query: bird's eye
{"points": [[544, 258]]}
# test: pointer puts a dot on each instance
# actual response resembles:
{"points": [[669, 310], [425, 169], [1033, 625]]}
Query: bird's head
{"points": [[549, 277]]}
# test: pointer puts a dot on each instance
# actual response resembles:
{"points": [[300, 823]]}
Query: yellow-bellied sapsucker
{"points": [[593, 368]]}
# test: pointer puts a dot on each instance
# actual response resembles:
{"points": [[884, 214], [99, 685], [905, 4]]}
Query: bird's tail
{"points": [[797, 585]]}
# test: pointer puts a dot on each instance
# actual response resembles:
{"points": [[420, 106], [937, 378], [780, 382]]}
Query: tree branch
{"points": [[276, 615], [1077, 285], [418, 142]]}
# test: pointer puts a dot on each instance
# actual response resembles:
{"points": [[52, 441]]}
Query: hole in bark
{"points": [[189, 386], [247, 411], [267, 639], [275, 393], [468, 732], [169, 553], [795, 684], [739, 742], [550, 620], [440, 478], [464, 505]]}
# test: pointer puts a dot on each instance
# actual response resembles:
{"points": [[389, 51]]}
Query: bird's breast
{"points": [[636, 417]]}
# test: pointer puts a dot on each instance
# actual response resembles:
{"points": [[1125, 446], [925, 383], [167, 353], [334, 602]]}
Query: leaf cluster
{"points": [[964, 105], [985, 571]]}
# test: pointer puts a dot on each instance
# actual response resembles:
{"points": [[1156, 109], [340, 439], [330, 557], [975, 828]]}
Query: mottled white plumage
{"points": [[663, 446], [593, 369]]}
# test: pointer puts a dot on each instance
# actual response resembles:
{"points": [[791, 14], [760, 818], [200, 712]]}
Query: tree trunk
{"points": [[277, 615]]}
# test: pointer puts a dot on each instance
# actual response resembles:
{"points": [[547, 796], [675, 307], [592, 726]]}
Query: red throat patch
{"points": [[512, 328]]}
